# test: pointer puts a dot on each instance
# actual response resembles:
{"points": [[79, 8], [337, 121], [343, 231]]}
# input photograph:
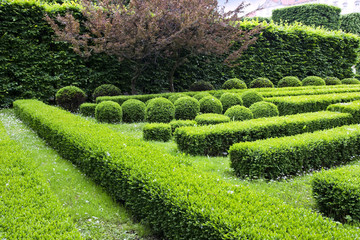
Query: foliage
{"points": [[350, 81], [159, 110], [264, 109], [201, 86], [210, 105], [289, 81], [230, 99], [251, 97], [239, 113], [261, 83], [351, 107], [176, 96], [234, 83], [186, 108], [201, 95], [211, 119], [175, 124], [133, 111], [108, 112], [332, 81], [349, 23], [157, 132], [87, 109], [70, 98], [106, 90], [313, 81]]}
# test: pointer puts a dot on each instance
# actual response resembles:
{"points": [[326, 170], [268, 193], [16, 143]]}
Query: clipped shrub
{"points": [[350, 81], [239, 113], [199, 96], [289, 81], [234, 83], [201, 86], [264, 109], [108, 112], [349, 23], [106, 90], [332, 81], [160, 110], [211, 118], [350, 107], [133, 111], [87, 109], [230, 99], [175, 124], [261, 82], [251, 97], [186, 108], [313, 81], [210, 105], [70, 98], [157, 132], [176, 96]]}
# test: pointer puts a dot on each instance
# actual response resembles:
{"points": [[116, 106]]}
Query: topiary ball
{"points": [[264, 109], [313, 81], [234, 83], [159, 110], [211, 119], [106, 90], [157, 132], [239, 113], [289, 81], [70, 98], [133, 111], [88, 109], [210, 105], [332, 81], [261, 83], [186, 108], [230, 99], [350, 81], [251, 97], [199, 96], [108, 112], [176, 96], [201, 86]]}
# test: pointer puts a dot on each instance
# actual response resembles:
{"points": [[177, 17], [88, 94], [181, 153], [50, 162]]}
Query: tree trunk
{"points": [[136, 75]]}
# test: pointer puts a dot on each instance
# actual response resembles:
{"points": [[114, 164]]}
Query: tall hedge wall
{"points": [[350, 23]]}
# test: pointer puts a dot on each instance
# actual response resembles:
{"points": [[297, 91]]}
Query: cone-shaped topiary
{"points": [[239, 113], [234, 83], [350, 81], [106, 90], [230, 99], [264, 109], [289, 81], [176, 96], [186, 108], [313, 81], [251, 97], [332, 81], [201, 86], [210, 105], [87, 109], [211, 119], [261, 83], [199, 96], [108, 112], [157, 132], [133, 111], [160, 110], [70, 98]]}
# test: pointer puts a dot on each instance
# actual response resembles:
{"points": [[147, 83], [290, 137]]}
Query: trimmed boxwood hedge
{"points": [[157, 132], [350, 81], [211, 119], [351, 107], [159, 110], [87, 109], [174, 198], [133, 111], [210, 105], [239, 113], [108, 112], [181, 123]]}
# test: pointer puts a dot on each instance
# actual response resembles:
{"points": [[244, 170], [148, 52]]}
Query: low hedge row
{"points": [[28, 209], [174, 198], [157, 132], [350, 107], [216, 140], [280, 157], [337, 193]]}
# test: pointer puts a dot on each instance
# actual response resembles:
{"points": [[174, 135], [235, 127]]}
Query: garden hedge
{"points": [[216, 140], [157, 132], [174, 198], [211, 119], [349, 23], [351, 107]]}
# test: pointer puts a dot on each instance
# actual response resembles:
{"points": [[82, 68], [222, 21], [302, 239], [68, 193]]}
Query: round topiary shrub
{"points": [[201, 86], [332, 81], [264, 109], [181, 123], [199, 96], [176, 96], [251, 97], [234, 83], [289, 81], [157, 132], [230, 99], [219, 93], [210, 105], [211, 119], [70, 98], [108, 112], [239, 113], [186, 108], [106, 90], [350, 81], [87, 109], [133, 111], [313, 81], [261, 83], [159, 110]]}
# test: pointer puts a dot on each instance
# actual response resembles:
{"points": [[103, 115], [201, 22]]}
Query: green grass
{"points": [[95, 214]]}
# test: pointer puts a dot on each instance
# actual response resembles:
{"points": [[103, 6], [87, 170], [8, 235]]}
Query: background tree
{"points": [[142, 31]]}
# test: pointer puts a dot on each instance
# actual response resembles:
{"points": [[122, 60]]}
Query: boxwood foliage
{"points": [[28, 208], [106, 90], [264, 109], [310, 14], [70, 98], [159, 110], [332, 81], [133, 111], [230, 99], [108, 112], [181, 123], [157, 132], [87, 109], [201, 95], [351, 107], [337, 193], [275, 158], [211, 119], [261, 82], [165, 192], [350, 81], [216, 140], [239, 113], [251, 97], [313, 81], [210, 105], [234, 83], [289, 81], [176, 96], [186, 108], [349, 23]]}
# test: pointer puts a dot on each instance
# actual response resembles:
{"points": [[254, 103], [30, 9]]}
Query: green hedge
{"points": [[157, 132], [216, 140], [28, 209], [352, 107], [211, 119], [290, 156], [337, 193], [172, 197], [349, 23]]}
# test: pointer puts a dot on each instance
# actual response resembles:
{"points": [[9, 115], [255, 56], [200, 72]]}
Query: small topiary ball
{"points": [[186, 108], [201, 86], [332, 81], [87, 109], [261, 83], [70, 98], [159, 110], [211, 119], [181, 123], [176, 96], [313, 81], [230, 99], [133, 111], [289, 81], [157, 132], [251, 97], [108, 112], [350, 81], [264, 109], [199, 96], [210, 105], [239, 113], [234, 83], [106, 90]]}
